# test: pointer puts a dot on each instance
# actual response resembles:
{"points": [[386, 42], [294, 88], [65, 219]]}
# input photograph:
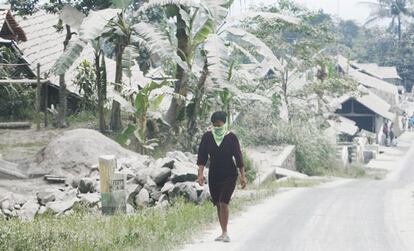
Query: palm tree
{"points": [[396, 10]]}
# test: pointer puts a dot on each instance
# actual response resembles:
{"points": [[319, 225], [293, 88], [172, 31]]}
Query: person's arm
{"points": [[201, 179], [202, 158], [239, 162]]}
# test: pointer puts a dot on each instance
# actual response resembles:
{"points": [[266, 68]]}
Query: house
{"points": [[35, 39], [367, 111], [373, 78], [386, 73]]}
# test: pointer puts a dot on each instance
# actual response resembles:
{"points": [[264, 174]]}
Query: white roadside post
{"points": [[113, 195]]}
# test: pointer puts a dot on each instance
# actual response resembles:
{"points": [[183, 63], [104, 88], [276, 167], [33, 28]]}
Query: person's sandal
{"points": [[225, 238], [220, 238]]}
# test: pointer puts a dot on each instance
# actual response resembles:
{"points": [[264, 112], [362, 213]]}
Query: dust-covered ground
{"points": [[19, 145]]}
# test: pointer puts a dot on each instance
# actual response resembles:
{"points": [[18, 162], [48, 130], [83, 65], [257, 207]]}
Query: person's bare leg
{"points": [[219, 215], [224, 215], [220, 238]]}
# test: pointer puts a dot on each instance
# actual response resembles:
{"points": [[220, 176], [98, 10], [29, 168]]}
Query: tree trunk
{"points": [[285, 93], [181, 85], [100, 72], [116, 123], [61, 120], [399, 30]]}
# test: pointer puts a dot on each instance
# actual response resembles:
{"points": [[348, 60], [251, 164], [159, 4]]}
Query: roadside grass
{"points": [[356, 172], [149, 229], [84, 117], [272, 185]]}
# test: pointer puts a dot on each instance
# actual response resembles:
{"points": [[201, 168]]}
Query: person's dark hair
{"points": [[219, 116]]}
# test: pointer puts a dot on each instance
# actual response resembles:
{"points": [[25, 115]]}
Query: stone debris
{"points": [[160, 175], [29, 210], [60, 207], [68, 165], [87, 185], [44, 197], [142, 199]]}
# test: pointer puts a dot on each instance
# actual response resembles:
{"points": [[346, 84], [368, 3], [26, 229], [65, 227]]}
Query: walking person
{"points": [[404, 122], [220, 146], [411, 122], [385, 131], [392, 134]]}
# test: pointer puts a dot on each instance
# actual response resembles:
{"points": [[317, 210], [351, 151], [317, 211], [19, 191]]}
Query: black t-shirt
{"points": [[222, 166]]}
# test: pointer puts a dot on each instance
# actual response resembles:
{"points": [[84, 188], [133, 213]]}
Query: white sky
{"points": [[346, 9]]}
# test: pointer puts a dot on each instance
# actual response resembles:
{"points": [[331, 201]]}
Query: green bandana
{"points": [[219, 133]]}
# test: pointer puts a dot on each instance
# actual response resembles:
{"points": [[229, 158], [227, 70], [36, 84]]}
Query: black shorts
{"points": [[222, 192]]}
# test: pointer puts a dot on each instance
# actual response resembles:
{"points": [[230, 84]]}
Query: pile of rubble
{"points": [[150, 182], [159, 184]]}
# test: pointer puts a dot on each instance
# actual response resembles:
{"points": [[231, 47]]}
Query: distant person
{"points": [[221, 145], [404, 120], [392, 134], [385, 131], [411, 122]]}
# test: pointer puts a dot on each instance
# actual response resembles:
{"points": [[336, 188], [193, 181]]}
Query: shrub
{"points": [[314, 153], [249, 168], [17, 102]]}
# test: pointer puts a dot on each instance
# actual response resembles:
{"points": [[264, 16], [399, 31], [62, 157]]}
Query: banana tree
{"points": [[90, 31], [120, 33], [146, 104], [101, 82], [201, 28], [194, 22]]}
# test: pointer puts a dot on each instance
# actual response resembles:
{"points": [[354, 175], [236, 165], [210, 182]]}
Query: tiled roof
{"points": [[44, 44]]}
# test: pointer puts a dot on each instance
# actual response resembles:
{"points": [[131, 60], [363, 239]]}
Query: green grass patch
{"points": [[356, 172], [83, 117], [149, 229], [291, 182]]}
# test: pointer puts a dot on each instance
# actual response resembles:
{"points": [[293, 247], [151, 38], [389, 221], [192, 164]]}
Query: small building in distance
{"points": [[367, 111]]}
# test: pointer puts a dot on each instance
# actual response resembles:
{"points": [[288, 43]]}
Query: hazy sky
{"points": [[346, 9]]}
